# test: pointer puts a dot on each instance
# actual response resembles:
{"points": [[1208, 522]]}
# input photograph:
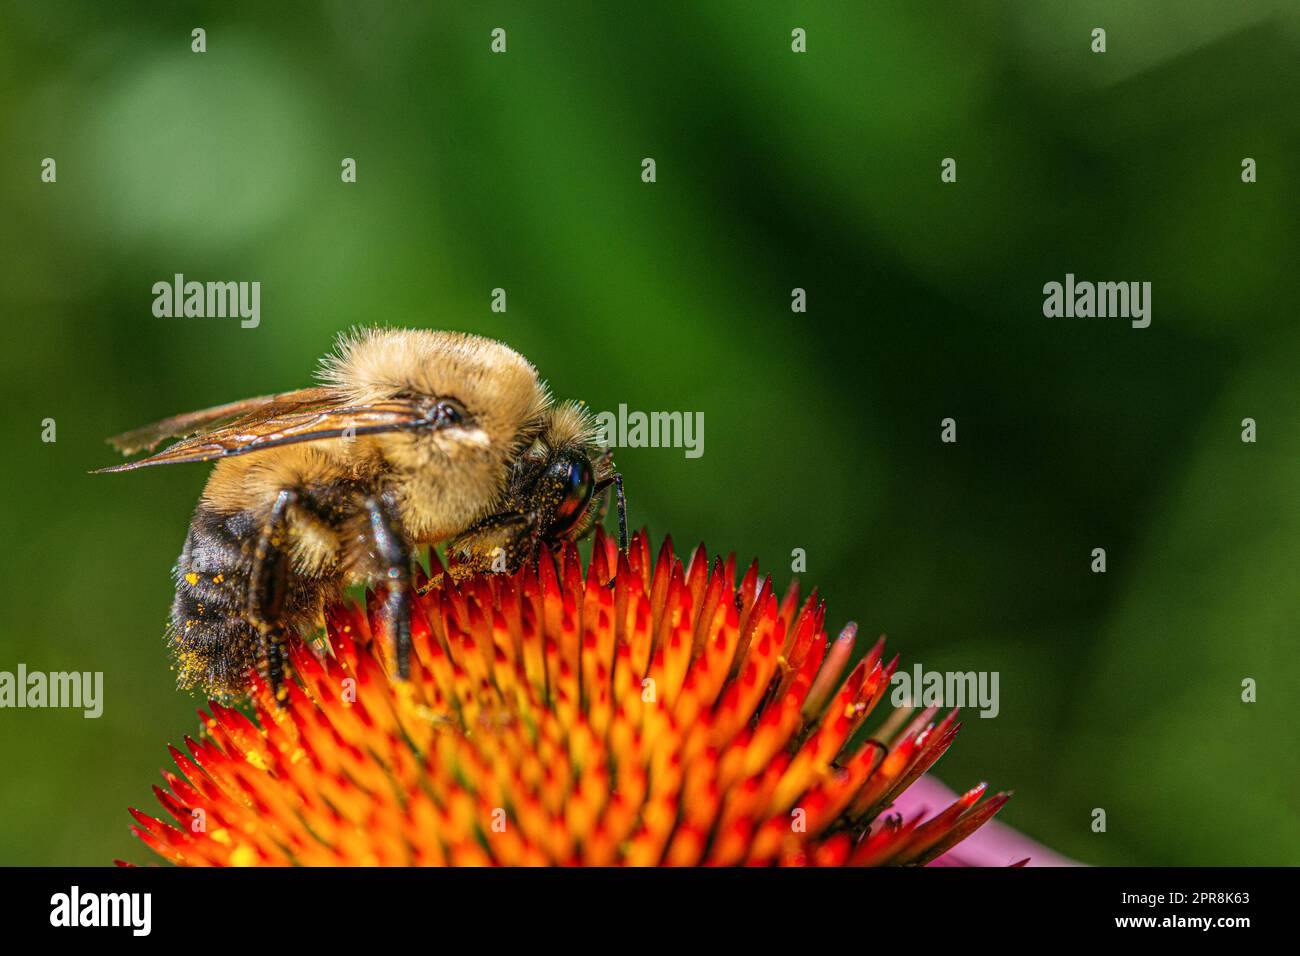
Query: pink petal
{"points": [[994, 844]]}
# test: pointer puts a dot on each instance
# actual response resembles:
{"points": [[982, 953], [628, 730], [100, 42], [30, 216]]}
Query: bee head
{"points": [[552, 496], [561, 492]]}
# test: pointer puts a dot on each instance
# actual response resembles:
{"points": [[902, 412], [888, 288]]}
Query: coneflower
{"points": [[640, 712]]}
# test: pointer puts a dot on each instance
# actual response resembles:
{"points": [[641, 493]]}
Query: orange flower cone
{"points": [[644, 712]]}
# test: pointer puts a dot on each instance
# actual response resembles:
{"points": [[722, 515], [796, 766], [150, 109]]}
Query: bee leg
{"points": [[615, 480], [622, 512], [395, 560], [268, 587]]}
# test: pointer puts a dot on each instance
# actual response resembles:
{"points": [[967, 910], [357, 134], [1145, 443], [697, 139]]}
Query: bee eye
{"points": [[448, 411], [575, 483]]}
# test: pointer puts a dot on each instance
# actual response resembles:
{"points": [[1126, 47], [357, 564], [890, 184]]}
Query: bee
{"points": [[412, 438]]}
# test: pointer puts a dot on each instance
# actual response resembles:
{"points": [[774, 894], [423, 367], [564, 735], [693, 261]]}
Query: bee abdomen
{"points": [[212, 639], [213, 644]]}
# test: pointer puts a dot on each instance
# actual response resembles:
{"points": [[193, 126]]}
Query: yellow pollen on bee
{"points": [[192, 578], [218, 579]]}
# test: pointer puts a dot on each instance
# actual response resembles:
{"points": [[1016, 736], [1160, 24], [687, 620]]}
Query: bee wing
{"points": [[256, 431], [147, 437]]}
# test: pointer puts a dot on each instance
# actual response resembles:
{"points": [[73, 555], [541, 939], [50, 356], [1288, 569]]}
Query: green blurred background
{"points": [[775, 170]]}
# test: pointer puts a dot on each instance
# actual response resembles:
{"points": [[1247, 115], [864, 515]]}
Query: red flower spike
{"points": [[681, 716]]}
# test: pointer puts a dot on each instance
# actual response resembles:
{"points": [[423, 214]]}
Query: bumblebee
{"points": [[412, 438]]}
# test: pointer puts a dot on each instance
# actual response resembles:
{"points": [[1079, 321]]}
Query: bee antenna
{"points": [[622, 513]]}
